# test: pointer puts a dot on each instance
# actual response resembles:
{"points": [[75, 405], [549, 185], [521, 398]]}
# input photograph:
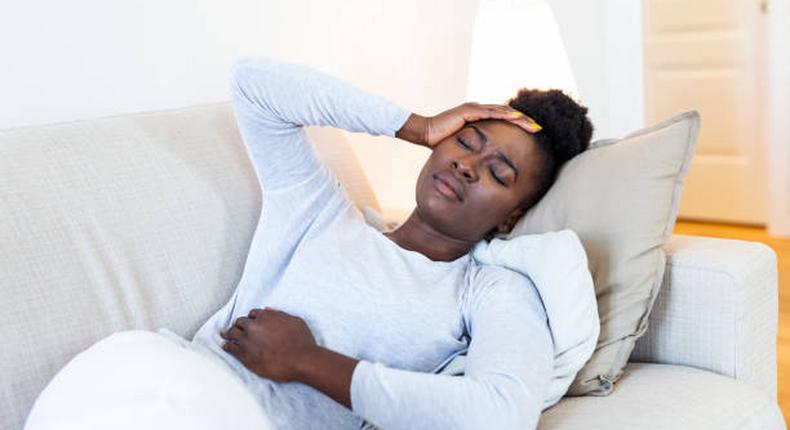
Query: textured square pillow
{"points": [[621, 198]]}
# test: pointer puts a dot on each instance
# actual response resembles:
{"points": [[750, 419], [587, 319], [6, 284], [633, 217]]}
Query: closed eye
{"points": [[462, 143], [496, 178]]}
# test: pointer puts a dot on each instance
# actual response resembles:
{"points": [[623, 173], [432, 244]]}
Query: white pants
{"points": [[143, 380]]}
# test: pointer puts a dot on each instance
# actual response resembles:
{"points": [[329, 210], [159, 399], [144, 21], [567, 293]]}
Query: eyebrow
{"points": [[499, 154], [482, 135]]}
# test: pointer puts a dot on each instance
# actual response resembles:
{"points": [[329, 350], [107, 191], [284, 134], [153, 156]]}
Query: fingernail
{"points": [[535, 124], [517, 114]]}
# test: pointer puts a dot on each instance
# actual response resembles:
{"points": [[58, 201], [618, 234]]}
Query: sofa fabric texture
{"points": [[665, 397], [728, 321]]}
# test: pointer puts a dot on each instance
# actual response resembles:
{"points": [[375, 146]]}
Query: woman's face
{"points": [[475, 179]]}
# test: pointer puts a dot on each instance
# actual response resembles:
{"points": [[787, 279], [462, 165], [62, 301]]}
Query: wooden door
{"points": [[707, 55]]}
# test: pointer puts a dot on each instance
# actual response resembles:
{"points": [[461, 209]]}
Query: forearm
{"points": [[284, 96], [329, 372], [273, 100], [414, 130], [467, 404]]}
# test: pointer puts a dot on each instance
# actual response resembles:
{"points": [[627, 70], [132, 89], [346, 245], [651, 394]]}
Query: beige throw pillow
{"points": [[621, 198]]}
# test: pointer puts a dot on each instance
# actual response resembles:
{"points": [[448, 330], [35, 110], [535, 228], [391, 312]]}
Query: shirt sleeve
{"points": [[273, 100], [508, 368]]}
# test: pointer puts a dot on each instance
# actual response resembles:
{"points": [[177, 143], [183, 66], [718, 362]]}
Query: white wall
{"points": [[86, 58]]}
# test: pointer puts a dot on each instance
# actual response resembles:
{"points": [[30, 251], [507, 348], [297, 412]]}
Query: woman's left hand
{"points": [[450, 121], [429, 131], [270, 343]]}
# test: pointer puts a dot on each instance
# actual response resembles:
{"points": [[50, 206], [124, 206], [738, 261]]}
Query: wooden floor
{"points": [[782, 248]]}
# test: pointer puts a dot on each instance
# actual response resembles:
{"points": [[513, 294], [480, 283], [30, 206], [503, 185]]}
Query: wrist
{"points": [[414, 130], [306, 364], [327, 371]]}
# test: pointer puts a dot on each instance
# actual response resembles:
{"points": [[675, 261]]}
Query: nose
{"points": [[466, 167]]}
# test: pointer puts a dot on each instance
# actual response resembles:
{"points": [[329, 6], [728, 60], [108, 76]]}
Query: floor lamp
{"points": [[515, 44]]}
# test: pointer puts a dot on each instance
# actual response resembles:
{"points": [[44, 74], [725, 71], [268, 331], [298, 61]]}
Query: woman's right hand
{"points": [[428, 131]]}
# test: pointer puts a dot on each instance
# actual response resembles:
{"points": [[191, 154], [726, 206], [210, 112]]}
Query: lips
{"points": [[452, 183]]}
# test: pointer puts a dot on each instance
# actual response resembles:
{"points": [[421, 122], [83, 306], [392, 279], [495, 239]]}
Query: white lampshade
{"points": [[516, 43]]}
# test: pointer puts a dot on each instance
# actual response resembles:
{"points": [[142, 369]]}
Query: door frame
{"points": [[777, 109]]}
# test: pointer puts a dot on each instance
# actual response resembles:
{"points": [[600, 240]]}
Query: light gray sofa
{"points": [[144, 221]]}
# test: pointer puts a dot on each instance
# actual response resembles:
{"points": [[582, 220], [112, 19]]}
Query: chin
{"points": [[431, 210], [442, 217]]}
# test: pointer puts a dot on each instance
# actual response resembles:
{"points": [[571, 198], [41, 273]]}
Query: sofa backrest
{"points": [[131, 221]]}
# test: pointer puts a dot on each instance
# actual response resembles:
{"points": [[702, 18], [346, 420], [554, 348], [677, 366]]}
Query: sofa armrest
{"points": [[717, 310]]}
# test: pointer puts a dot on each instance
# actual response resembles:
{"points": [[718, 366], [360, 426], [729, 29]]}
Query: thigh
{"points": [[141, 379]]}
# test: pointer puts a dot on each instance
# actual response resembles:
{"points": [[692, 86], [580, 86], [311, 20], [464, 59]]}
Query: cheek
{"points": [[423, 183], [490, 203], [494, 203], [424, 187]]}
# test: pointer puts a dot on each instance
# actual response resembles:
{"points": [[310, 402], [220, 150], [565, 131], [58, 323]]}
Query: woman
{"points": [[334, 323]]}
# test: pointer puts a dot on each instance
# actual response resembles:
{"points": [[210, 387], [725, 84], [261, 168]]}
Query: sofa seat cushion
{"points": [[666, 397]]}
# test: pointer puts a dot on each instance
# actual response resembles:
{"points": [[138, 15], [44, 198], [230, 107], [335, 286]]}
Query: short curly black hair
{"points": [[566, 132]]}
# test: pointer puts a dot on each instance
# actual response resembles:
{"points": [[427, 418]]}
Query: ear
{"points": [[507, 225]]}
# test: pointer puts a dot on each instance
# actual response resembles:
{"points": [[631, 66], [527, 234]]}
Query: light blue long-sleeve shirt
{"points": [[403, 315]]}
